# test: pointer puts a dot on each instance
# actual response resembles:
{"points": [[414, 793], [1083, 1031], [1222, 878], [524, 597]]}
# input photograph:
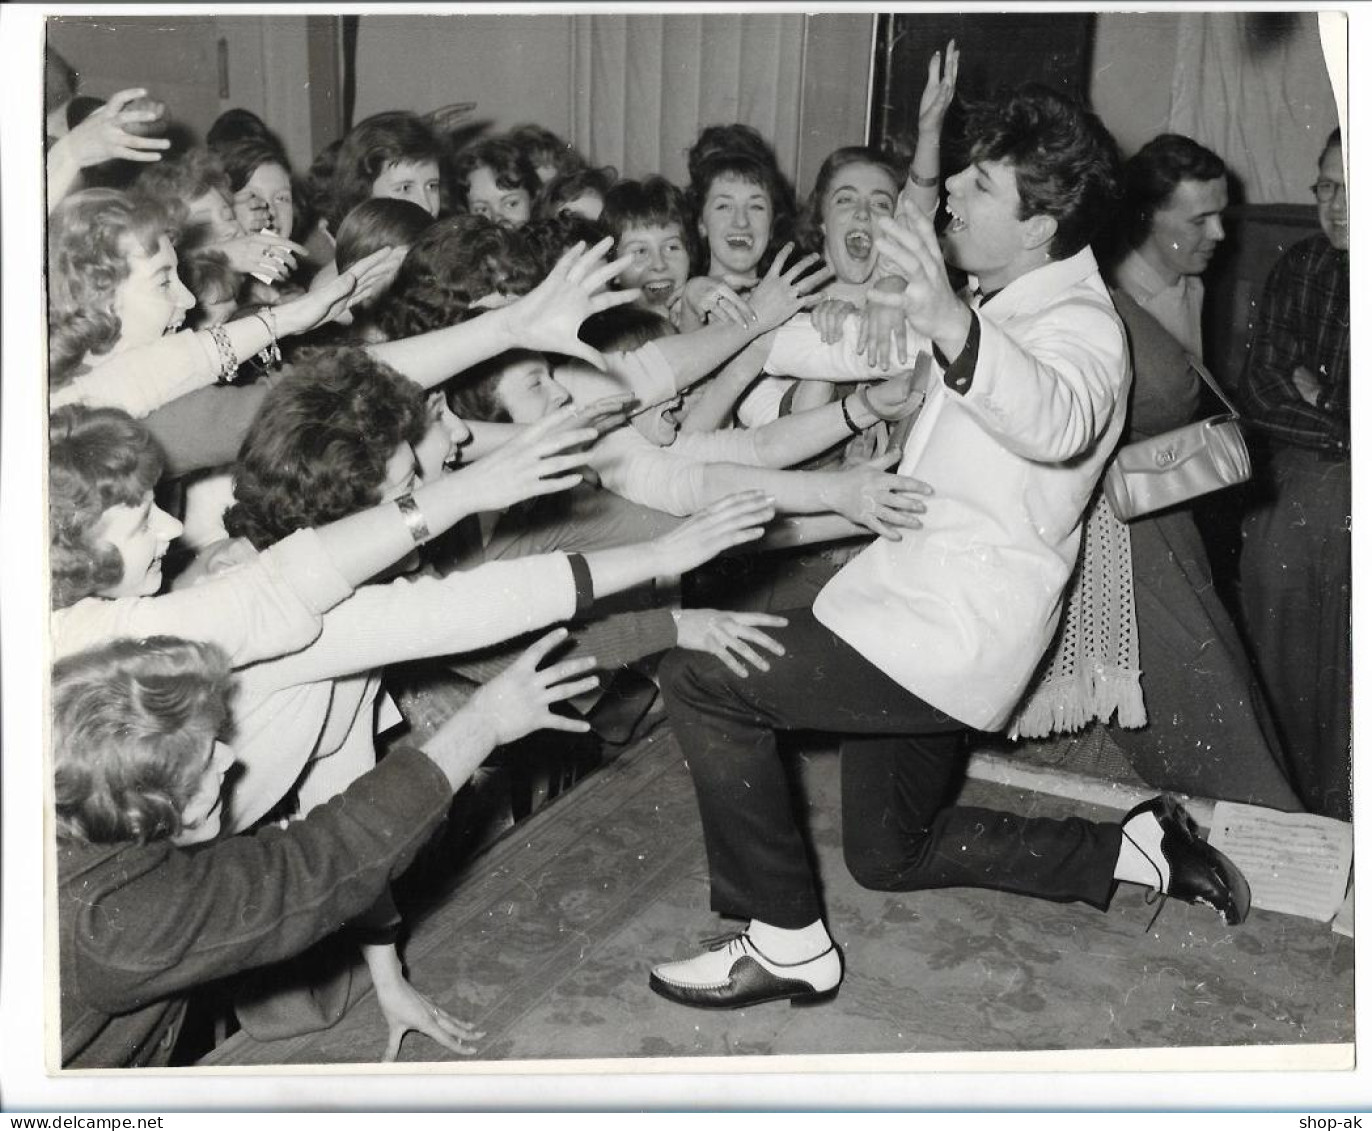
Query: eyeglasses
{"points": [[1325, 191]]}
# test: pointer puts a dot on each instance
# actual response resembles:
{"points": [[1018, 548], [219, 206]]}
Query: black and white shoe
{"points": [[1195, 871], [733, 973]]}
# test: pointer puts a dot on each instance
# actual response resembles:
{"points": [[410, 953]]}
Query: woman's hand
{"points": [[884, 503], [519, 700], [938, 91], [113, 131], [876, 329], [406, 1009], [783, 293], [896, 397], [731, 521], [253, 213], [829, 316], [928, 300], [329, 302], [536, 462], [263, 254], [723, 633], [706, 296], [548, 317]]}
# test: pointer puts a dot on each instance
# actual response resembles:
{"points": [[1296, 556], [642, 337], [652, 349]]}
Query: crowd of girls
{"points": [[416, 404]]}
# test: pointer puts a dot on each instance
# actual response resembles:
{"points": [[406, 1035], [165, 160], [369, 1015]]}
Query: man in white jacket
{"points": [[922, 638]]}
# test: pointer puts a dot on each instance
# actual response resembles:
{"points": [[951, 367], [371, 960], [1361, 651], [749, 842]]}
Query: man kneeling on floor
{"points": [[919, 640]]}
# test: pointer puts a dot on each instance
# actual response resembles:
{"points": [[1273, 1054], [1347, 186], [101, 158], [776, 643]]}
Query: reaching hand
{"points": [[548, 317], [519, 700], [783, 293], [938, 91], [928, 301], [877, 327], [406, 1009], [896, 397], [253, 213], [828, 317], [704, 295], [113, 131], [722, 633], [534, 463], [263, 253], [882, 502], [729, 522], [329, 302]]}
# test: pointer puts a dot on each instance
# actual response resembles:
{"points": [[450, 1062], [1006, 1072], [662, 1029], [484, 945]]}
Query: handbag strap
{"points": [[1206, 376]]}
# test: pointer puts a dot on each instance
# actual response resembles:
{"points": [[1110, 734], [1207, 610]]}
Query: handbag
{"points": [[1179, 465]]}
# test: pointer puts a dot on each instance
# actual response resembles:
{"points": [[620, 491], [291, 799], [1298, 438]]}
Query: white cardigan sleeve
{"points": [[266, 607], [144, 378], [415, 618]]}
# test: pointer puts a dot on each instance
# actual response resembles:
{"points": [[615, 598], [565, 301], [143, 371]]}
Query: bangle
{"points": [[270, 354], [415, 521], [923, 182], [847, 418], [867, 403], [585, 588], [228, 360]]}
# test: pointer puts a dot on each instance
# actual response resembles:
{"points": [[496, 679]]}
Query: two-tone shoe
{"points": [[1197, 871], [733, 973]]}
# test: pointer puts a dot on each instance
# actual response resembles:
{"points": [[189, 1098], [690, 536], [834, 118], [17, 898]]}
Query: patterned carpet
{"points": [[547, 941]]}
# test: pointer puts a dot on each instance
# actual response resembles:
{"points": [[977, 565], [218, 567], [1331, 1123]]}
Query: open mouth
{"points": [[658, 291], [858, 245], [955, 223], [739, 241]]}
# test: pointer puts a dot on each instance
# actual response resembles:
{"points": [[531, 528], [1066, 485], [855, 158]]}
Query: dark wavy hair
{"points": [[132, 721], [743, 166], [369, 149], [237, 125], [653, 202], [1152, 175], [453, 264], [318, 447], [185, 178], [97, 458], [377, 223], [809, 226], [623, 329], [506, 161], [551, 237], [1066, 162], [566, 187], [89, 238], [473, 394], [543, 147]]}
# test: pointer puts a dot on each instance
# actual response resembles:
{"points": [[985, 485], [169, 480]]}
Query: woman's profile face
{"points": [[151, 300], [528, 392], [736, 224], [202, 815], [141, 533], [856, 197]]}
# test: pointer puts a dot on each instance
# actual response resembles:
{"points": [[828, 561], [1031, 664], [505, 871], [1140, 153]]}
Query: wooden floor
{"points": [[547, 939]]}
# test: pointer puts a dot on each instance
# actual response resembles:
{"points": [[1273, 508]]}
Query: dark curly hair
{"points": [[743, 166], [453, 264], [653, 202], [543, 147], [89, 238], [185, 178], [1152, 175], [318, 447], [473, 394], [506, 161], [97, 458], [1066, 162], [396, 137], [237, 125], [132, 721], [809, 227], [550, 238], [554, 196]]}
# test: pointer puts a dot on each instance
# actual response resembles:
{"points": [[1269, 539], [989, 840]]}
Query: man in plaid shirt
{"points": [[1296, 562]]}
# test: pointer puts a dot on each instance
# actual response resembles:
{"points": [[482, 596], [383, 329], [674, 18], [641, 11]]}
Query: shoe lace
{"points": [[1158, 896], [725, 941]]}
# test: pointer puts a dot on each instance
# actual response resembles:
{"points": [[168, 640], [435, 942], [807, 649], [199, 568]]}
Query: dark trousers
{"points": [[900, 761]]}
